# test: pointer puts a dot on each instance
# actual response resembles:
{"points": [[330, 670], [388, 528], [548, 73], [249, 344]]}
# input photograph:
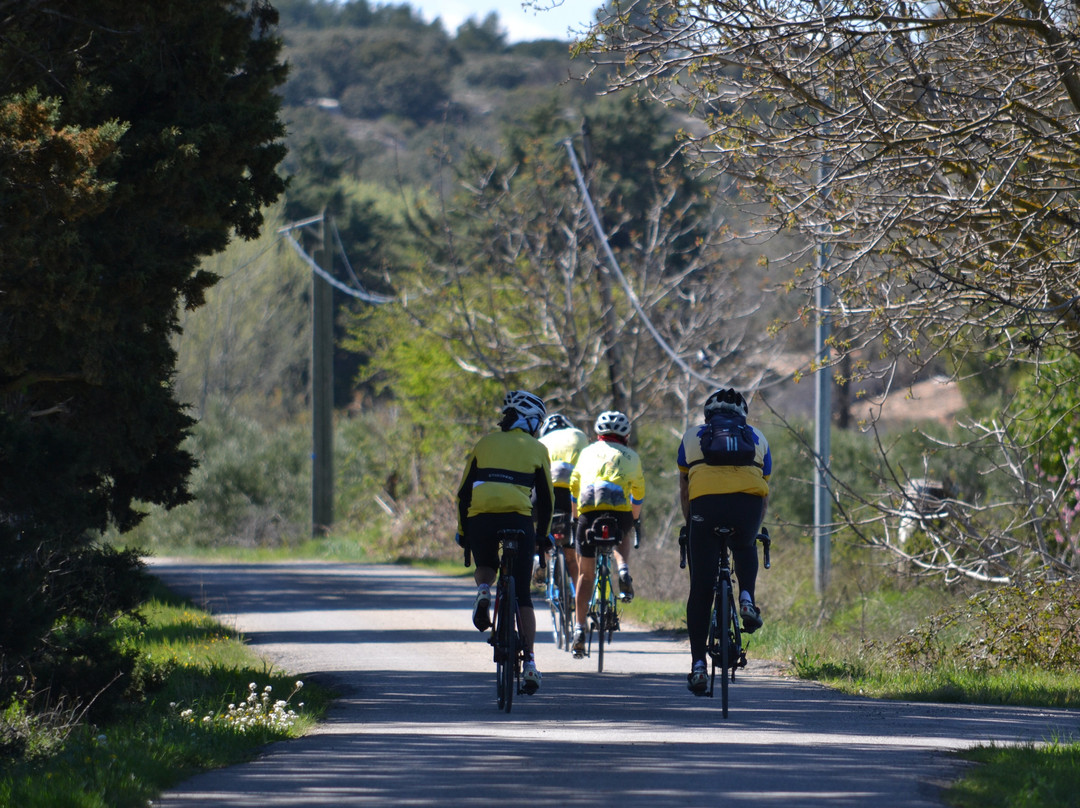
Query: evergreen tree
{"points": [[135, 139]]}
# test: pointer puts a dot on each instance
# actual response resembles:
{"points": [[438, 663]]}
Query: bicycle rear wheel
{"points": [[723, 636], [554, 597], [506, 647], [603, 618], [566, 600]]}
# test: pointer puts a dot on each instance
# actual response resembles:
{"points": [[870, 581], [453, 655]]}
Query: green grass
{"points": [[659, 615], [198, 666], [1019, 777]]}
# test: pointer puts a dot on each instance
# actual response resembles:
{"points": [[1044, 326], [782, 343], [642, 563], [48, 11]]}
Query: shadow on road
{"points": [[430, 734]]}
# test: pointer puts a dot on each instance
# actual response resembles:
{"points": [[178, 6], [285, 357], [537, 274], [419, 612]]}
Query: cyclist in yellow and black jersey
{"points": [[564, 443], [607, 480], [501, 474]]}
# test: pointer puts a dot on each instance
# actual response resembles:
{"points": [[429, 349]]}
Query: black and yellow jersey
{"points": [[705, 479], [500, 475]]}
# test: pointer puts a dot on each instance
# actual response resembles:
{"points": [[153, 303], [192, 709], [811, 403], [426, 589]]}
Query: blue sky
{"points": [[538, 19]]}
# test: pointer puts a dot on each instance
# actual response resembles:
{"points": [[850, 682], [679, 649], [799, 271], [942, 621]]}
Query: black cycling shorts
{"points": [[482, 533], [586, 548]]}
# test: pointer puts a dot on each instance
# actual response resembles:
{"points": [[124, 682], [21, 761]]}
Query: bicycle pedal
{"points": [[529, 688]]}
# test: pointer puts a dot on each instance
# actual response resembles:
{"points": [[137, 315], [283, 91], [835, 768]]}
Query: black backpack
{"points": [[727, 440]]}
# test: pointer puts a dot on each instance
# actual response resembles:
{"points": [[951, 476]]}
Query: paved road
{"points": [[417, 722]]}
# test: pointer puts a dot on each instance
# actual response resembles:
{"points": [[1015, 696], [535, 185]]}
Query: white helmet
{"points": [[524, 404], [612, 422]]}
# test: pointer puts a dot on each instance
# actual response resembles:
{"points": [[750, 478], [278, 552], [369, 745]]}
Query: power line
{"points": [[360, 294], [602, 237]]}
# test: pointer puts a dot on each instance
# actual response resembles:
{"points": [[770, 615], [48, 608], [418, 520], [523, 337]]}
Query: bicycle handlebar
{"points": [[766, 543]]}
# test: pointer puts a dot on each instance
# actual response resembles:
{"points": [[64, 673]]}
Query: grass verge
{"points": [[211, 702], [1019, 777]]}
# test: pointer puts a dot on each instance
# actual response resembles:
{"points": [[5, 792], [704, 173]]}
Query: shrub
{"points": [[1031, 625]]}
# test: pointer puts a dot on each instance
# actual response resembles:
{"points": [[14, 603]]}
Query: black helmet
{"points": [[553, 422], [726, 401]]}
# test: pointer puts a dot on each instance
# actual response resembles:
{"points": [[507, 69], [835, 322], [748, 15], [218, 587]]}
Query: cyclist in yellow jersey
{"points": [[607, 480], [564, 443], [733, 493], [496, 493]]}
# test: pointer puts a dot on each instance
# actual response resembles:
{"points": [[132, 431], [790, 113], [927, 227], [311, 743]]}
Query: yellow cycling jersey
{"points": [[500, 474], [564, 446], [607, 477], [705, 479]]}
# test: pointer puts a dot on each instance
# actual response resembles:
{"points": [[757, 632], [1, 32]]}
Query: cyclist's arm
{"points": [[545, 501], [684, 494], [464, 494]]}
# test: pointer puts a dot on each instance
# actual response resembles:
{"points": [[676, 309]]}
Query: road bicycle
{"points": [[603, 614], [560, 585], [725, 645], [506, 632]]}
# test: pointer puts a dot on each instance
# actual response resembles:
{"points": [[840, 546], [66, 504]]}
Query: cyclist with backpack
{"points": [[496, 493], [724, 468], [606, 480]]}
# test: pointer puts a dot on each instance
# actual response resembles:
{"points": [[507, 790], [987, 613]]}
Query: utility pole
{"points": [[822, 417], [322, 391]]}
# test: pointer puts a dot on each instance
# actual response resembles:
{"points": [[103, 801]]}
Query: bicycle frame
{"points": [[506, 631]]}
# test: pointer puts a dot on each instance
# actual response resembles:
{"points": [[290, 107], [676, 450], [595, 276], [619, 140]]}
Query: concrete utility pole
{"points": [[322, 391], [822, 419]]}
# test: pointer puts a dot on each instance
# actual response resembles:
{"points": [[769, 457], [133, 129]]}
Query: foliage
{"points": [[521, 293], [249, 345], [1032, 626], [933, 257], [133, 141], [251, 486], [973, 239], [374, 71]]}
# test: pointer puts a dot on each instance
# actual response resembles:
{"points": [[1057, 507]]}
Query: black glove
{"points": [[684, 536]]}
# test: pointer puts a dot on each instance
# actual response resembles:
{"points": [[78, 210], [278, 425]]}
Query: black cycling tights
{"points": [[743, 513]]}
